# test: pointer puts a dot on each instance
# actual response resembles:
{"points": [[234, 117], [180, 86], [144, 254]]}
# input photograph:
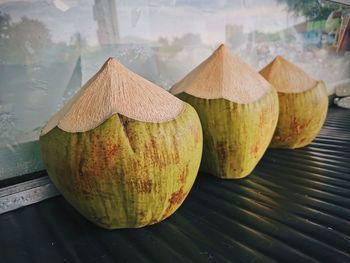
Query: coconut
{"points": [[342, 88], [343, 102], [238, 110], [123, 151], [303, 104]]}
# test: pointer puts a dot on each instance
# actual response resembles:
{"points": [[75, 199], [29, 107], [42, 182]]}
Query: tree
{"points": [[190, 39], [163, 41], [78, 41], [30, 31], [22, 41], [169, 48], [311, 9], [5, 20]]}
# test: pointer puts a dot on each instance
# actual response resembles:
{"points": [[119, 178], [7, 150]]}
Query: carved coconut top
{"points": [[115, 89], [223, 75], [287, 77]]}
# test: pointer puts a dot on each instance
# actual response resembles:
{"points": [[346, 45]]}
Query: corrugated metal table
{"points": [[295, 207]]}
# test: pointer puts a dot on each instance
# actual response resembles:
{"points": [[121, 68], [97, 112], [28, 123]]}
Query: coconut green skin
{"points": [[235, 136], [301, 117], [126, 173]]}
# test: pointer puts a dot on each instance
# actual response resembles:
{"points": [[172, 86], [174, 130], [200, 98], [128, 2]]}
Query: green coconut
{"points": [[303, 104], [123, 151], [238, 110]]}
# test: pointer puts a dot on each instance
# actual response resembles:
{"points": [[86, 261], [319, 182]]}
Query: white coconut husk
{"points": [[115, 89], [286, 77], [223, 75]]}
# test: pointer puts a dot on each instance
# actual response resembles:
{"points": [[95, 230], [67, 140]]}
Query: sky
{"points": [[151, 19]]}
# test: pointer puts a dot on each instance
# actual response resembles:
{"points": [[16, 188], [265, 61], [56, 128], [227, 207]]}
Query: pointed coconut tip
{"points": [[115, 89], [286, 77], [221, 52], [221, 48], [223, 75], [111, 63], [279, 58]]}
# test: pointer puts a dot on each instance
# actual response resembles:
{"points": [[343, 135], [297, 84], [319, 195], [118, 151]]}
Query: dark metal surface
{"points": [[295, 207]]}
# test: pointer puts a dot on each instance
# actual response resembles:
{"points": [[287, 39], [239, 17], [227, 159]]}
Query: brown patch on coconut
{"points": [[174, 201]]}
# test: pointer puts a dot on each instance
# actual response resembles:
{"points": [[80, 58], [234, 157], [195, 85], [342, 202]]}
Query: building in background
{"points": [[105, 14]]}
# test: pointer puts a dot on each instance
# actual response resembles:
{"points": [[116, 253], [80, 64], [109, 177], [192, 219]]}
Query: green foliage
{"points": [[28, 41], [22, 41], [4, 26], [171, 48], [311, 9]]}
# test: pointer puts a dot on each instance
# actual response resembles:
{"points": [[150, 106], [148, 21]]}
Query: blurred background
{"points": [[49, 48]]}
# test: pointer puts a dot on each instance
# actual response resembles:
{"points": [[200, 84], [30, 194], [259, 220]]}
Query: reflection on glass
{"points": [[105, 14], [49, 48]]}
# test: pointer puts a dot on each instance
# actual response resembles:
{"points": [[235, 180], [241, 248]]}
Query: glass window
{"points": [[49, 48]]}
